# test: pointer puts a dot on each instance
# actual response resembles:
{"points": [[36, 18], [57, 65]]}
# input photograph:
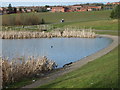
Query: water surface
{"points": [[60, 50]]}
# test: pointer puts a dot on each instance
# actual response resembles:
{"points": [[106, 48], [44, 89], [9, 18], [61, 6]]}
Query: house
{"points": [[20, 10], [82, 9], [89, 9], [58, 9], [79, 8], [92, 8], [116, 3], [4, 10], [48, 9], [108, 3], [74, 8], [28, 10], [1, 9]]}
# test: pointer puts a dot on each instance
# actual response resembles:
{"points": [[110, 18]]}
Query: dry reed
{"points": [[43, 34], [13, 71]]}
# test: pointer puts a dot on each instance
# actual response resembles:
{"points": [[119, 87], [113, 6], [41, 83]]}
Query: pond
{"points": [[60, 50]]}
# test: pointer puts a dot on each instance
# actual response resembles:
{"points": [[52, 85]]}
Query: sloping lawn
{"points": [[101, 73], [50, 17], [99, 25]]}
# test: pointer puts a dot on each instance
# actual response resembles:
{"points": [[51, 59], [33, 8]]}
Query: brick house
{"points": [[118, 3], [4, 10], [79, 8], [58, 9], [114, 3], [74, 8], [92, 8]]}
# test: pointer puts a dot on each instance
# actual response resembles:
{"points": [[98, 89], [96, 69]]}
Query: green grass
{"points": [[98, 20], [101, 73], [107, 33], [70, 16], [98, 25], [21, 83]]}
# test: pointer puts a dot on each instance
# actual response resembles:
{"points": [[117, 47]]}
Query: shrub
{"points": [[42, 21], [15, 70], [22, 19], [115, 14], [18, 20]]}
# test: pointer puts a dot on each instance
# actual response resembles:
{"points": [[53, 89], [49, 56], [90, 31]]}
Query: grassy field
{"points": [[107, 32], [69, 16], [101, 73], [98, 25], [98, 20]]}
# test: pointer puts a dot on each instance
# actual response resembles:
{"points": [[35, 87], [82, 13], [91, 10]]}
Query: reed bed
{"points": [[13, 71], [22, 19], [43, 34], [80, 34], [29, 27]]}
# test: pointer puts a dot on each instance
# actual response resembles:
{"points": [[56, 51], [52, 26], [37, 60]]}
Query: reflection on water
{"points": [[61, 50]]}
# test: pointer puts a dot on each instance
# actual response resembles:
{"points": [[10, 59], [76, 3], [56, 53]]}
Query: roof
{"points": [[58, 7]]}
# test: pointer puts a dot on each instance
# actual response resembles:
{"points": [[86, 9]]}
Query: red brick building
{"points": [[58, 9], [75, 8], [91, 8], [114, 3], [118, 3]]}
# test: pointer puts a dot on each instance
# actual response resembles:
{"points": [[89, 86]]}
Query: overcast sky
{"points": [[59, 0], [5, 3]]}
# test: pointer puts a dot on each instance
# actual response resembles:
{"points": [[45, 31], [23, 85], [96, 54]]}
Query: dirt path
{"points": [[52, 76]]}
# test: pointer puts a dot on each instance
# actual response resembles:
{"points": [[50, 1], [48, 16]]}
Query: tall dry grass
{"points": [[21, 19], [13, 71], [37, 34]]}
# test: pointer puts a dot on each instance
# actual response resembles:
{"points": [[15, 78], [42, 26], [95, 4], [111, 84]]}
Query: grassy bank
{"points": [[98, 25], [68, 16], [98, 20], [107, 32], [101, 73]]}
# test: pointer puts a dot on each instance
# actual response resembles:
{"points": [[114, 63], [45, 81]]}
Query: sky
{"points": [[59, 0], [5, 3]]}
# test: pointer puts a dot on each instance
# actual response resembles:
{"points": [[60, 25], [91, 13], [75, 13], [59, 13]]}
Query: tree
{"points": [[42, 21], [115, 14], [20, 10], [10, 9], [15, 10], [46, 6]]}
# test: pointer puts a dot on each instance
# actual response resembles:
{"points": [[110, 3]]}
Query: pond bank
{"points": [[44, 34], [48, 78]]}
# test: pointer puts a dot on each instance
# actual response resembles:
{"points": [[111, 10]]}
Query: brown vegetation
{"points": [[43, 34], [22, 19], [13, 71]]}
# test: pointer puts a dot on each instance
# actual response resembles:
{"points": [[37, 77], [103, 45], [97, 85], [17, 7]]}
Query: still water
{"points": [[60, 50]]}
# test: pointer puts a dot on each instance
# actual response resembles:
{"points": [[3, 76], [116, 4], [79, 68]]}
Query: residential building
{"points": [[58, 9]]}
